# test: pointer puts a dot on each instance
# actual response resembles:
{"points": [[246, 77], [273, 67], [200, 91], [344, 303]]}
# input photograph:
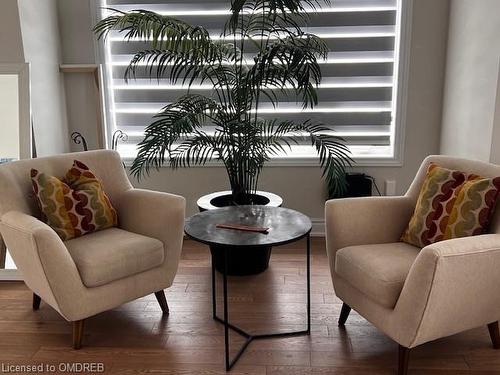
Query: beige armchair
{"points": [[413, 295], [98, 271]]}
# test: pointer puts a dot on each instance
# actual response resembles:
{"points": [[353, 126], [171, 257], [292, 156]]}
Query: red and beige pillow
{"points": [[75, 205], [451, 204]]}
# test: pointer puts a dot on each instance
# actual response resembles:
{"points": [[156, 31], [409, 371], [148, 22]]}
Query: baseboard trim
{"points": [[318, 227], [10, 275]]}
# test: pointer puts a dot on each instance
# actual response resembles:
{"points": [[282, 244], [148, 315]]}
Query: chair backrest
{"points": [[464, 165], [15, 182]]}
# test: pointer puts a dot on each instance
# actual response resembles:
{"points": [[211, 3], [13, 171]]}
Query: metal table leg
{"points": [[249, 337], [308, 282], [226, 313], [214, 303]]}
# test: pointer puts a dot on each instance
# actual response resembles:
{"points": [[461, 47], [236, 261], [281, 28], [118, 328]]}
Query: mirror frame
{"points": [[22, 71]]}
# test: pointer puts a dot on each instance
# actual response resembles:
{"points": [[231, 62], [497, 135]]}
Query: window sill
{"points": [[301, 162], [302, 156]]}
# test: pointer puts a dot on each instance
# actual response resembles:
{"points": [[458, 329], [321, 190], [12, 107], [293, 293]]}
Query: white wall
{"points": [[11, 46], [78, 48], [302, 187], [472, 73], [75, 22], [41, 42]]}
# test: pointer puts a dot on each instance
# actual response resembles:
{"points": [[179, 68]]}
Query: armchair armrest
{"points": [[154, 214], [370, 220], [42, 258], [453, 286]]}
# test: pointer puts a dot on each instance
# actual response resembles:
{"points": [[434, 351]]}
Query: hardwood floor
{"points": [[137, 339]]}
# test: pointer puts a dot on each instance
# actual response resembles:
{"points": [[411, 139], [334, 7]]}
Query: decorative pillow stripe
{"points": [[473, 207], [75, 205], [54, 197], [451, 205], [436, 196]]}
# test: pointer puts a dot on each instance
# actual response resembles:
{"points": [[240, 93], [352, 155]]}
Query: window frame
{"points": [[402, 47]]}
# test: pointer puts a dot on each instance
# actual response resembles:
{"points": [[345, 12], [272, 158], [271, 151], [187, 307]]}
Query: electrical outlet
{"points": [[390, 187]]}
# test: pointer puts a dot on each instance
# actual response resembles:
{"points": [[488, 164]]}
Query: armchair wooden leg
{"points": [[36, 301], [162, 301], [3, 253], [494, 334], [404, 358], [344, 313], [78, 334]]}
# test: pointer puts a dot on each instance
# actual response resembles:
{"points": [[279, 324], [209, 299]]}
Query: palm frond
{"points": [[334, 155], [291, 61], [176, 48], [185, 66], [145, 25], [196, 150], [287, 8], [253, 25], [174, 122]]}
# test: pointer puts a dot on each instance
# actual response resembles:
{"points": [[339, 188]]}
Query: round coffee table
{"points": [[284, 225]]}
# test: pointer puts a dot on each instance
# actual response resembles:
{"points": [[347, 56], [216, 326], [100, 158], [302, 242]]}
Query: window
{"points": [[358, 94]]}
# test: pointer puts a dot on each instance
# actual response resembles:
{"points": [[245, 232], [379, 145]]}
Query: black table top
{"points": [[285, 225]]}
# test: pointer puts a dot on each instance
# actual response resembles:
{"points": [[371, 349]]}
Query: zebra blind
{"points": [[355, 97]]}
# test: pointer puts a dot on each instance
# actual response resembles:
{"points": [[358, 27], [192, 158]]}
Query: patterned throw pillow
{"points": [[473, 207], [75, 205], [451, 204]]}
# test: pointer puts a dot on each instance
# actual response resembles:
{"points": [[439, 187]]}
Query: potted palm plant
{"points": [[226, 125]]}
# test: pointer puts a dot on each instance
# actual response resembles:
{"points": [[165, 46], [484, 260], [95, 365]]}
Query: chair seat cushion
{"points": [[112, 254], [379, 271]]}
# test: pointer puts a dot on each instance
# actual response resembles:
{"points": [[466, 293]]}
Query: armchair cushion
{"points": [[379, 271], [112, 254]]}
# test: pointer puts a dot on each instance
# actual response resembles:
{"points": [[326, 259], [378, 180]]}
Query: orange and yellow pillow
{"points": [[451, 204], [74, 205]]}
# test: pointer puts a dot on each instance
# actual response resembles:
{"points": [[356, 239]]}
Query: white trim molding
{"points": [[10, 275], [294, 162], [22, 71], [318, 227], [364, 155], [401, 75]]}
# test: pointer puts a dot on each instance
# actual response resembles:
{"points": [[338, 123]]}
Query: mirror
{"points": [[15, 130]]}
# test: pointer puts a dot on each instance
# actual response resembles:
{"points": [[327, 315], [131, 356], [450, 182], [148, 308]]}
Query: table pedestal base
{"points": [[249, 338], [243, 261]]}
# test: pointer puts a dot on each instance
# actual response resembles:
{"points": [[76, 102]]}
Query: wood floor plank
{"points": [[137, 339], [387, 359], [278, 357], [184, 369], [298, 370]]}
